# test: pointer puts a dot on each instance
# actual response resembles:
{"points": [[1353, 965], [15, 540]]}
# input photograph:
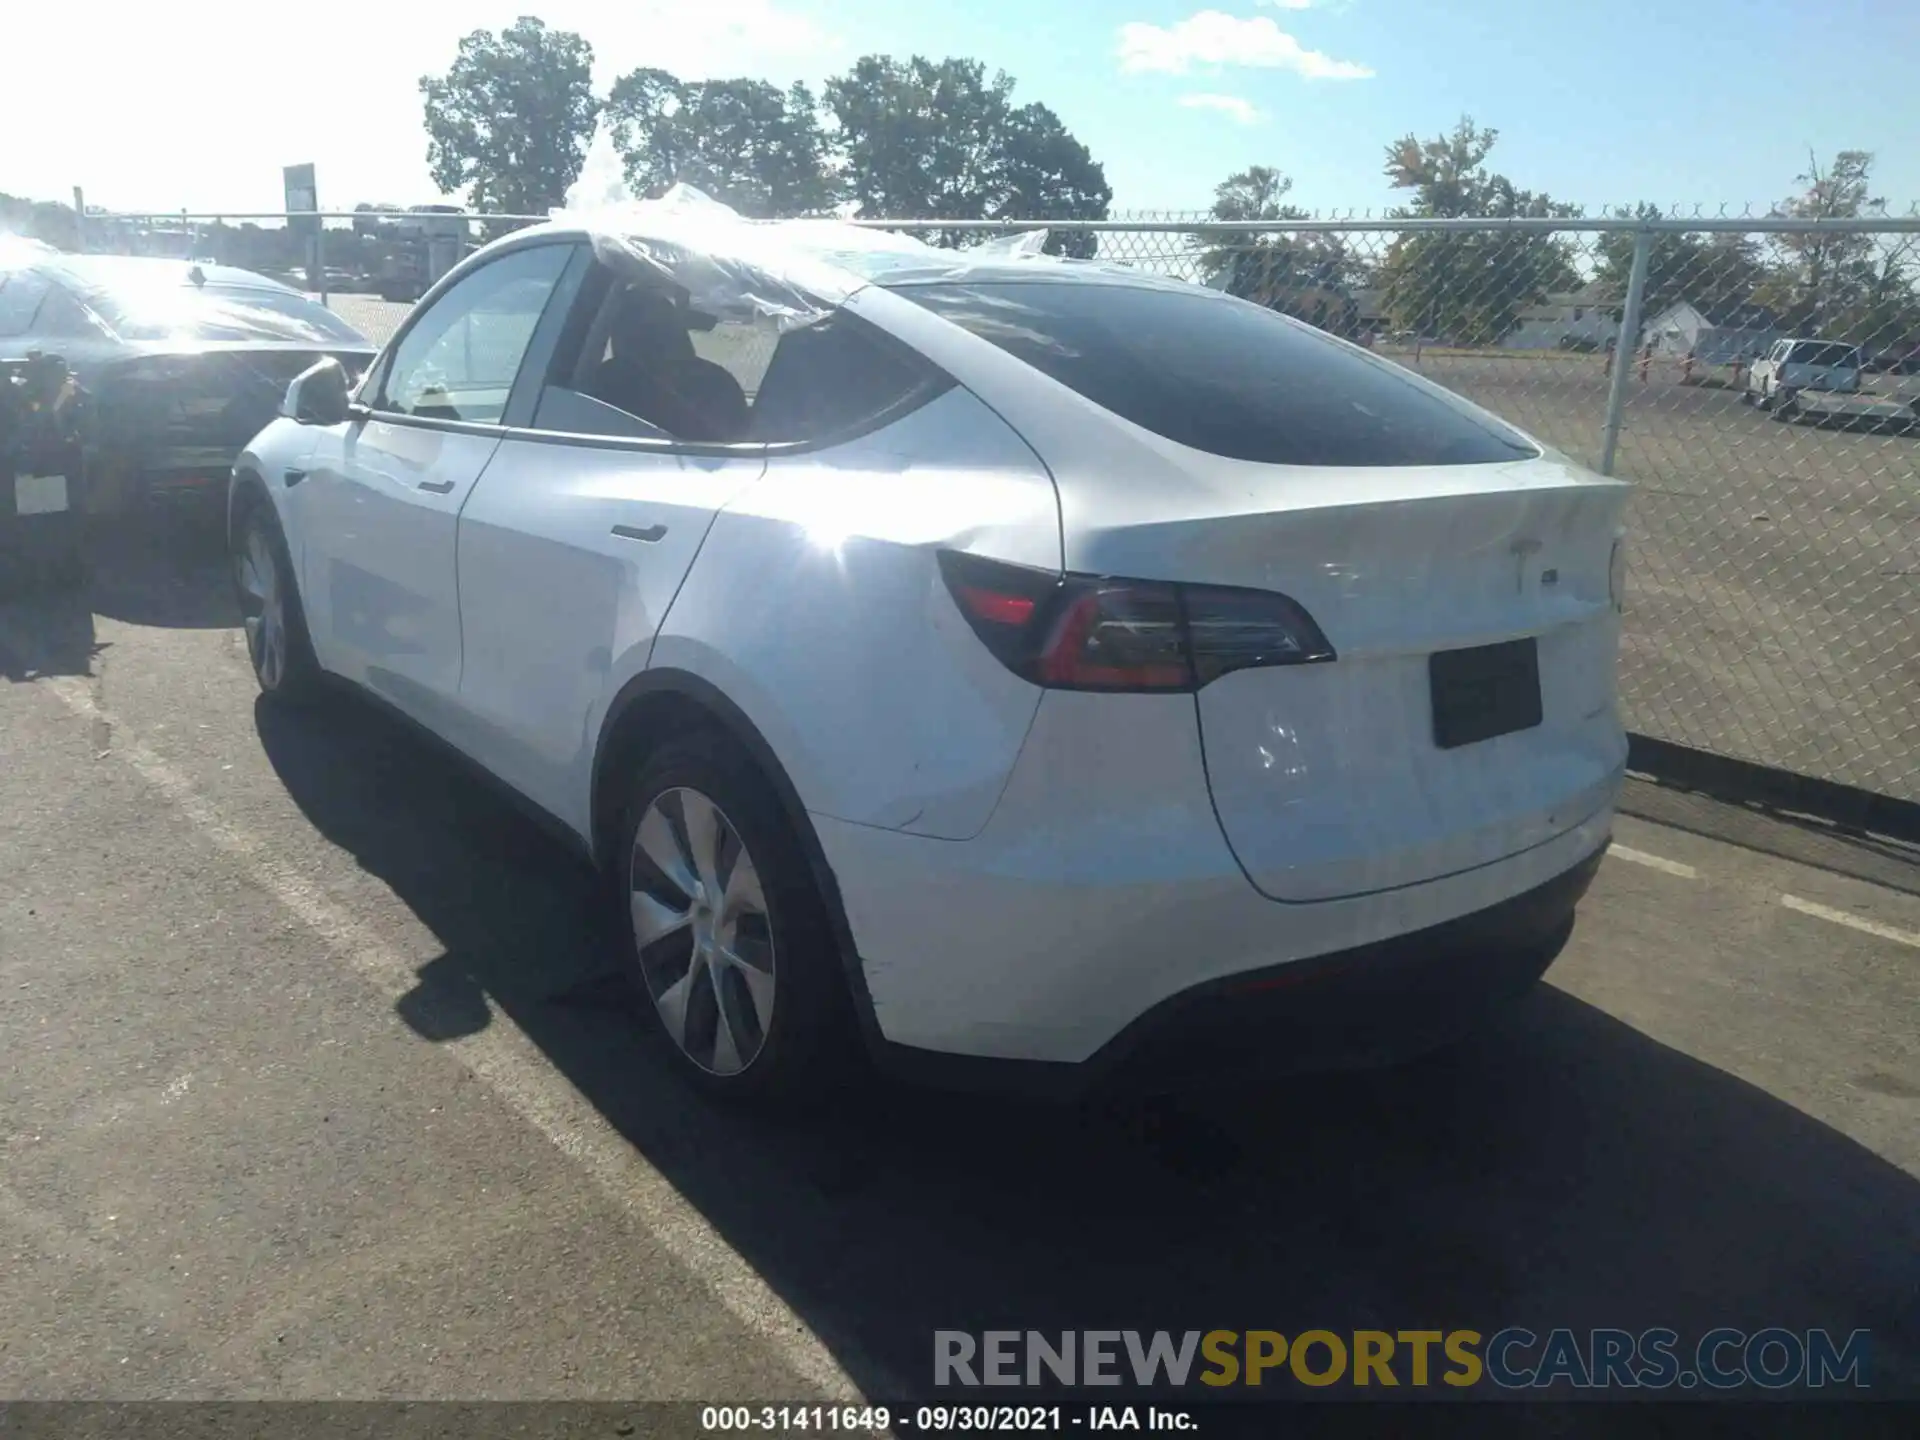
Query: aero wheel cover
{"points": [[701, 931], [263, 609]]}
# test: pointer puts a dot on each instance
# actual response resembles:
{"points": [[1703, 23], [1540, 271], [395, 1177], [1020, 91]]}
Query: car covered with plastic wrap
{"points": [[181, 363]]}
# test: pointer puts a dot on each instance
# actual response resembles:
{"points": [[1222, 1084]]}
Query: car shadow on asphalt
{"points": [[163, 569], [47, 633], [1562, 1170], [167, 570]]}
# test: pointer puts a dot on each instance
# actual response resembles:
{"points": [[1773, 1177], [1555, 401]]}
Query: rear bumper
{"points": [[1102, 889], [1367, 1006]]}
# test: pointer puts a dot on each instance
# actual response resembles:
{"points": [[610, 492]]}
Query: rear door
{"points": [[382, 497], [575, 543]]}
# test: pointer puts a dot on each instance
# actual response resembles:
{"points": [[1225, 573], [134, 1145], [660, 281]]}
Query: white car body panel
{"points": [[817, 608], [1325, 777], [559, 610], [378, 570], [1101, 887]]}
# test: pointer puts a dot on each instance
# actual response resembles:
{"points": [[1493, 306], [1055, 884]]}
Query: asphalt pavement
{"points": [[315, 1087]]}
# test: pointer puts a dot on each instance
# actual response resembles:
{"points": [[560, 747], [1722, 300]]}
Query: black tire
{"points": [[1786, 406], [809, 1047], [295, 678], [1746, 396]]}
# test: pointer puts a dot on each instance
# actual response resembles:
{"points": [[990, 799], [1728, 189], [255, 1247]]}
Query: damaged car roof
{"points": [[793, 272]]}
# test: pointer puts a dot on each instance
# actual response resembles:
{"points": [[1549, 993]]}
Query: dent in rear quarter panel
{"points": [[817, 606]]}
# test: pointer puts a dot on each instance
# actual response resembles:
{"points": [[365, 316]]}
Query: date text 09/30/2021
{"points": [[940, 1419]]}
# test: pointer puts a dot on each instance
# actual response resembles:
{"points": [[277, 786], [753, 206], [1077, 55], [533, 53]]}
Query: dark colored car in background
{"points": [[181, 363]]}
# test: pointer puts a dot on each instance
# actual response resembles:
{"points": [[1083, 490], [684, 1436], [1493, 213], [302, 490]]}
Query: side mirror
{"points": [[318, 395]]}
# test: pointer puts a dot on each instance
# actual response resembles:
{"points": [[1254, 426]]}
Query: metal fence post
{"points": [[320, 256], [79, 220], [1624, 347]]}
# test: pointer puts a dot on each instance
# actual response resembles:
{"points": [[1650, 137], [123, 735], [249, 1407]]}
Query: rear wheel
{"points": [[731, 944], [276, 627], [1786, 405]]}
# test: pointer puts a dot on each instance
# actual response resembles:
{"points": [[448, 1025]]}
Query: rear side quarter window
{"points": [[835, 377]]}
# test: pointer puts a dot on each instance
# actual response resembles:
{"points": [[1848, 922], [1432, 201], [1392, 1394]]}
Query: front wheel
{"points": [[730, 939], [1786, 405], [276, 627]]}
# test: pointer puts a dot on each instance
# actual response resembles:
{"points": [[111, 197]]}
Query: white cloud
{"points": [[1241, 110], [1214, 38]]}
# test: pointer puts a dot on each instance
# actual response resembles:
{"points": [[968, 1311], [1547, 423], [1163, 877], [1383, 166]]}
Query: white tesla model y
{"points": [[1012, 669]]}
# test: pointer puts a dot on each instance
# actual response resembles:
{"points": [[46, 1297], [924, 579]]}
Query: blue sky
{"points": [[1678, 101]]}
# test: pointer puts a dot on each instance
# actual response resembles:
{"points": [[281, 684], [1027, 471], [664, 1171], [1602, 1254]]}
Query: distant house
{"points": [[1584, 319], [1713, 334]]}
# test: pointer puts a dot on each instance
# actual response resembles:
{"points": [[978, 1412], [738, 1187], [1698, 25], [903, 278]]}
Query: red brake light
{"points": [[1117, 635], [1080, 632], [993, 608]]}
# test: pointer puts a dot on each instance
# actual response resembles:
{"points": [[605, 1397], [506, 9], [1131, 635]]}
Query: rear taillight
{"points": [[1083, 632]]}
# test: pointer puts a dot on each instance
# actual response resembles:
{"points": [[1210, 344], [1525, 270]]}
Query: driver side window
{"points": [[460, 358]]}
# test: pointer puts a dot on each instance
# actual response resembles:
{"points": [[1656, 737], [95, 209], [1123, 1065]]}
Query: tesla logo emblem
{"points": [[1521, 550]]}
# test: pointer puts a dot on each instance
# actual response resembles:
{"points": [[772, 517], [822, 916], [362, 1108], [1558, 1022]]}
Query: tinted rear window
{"points": [[1223, 376], [1828, 354], [830, 377], [223, 312]]}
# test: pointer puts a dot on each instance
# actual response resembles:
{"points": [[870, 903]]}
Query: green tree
{"points": [[510, 121], [759, 149], [923, 138], [1468, 285], [1846, 285], [47, 221], [1713, 273], [1307, 275]]}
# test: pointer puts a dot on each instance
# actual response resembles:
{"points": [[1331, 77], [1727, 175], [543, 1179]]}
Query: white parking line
{"points": [[1654, 862], [1850, 920], [505, 1061]]}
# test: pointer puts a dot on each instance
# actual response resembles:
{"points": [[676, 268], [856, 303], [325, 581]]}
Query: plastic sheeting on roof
{"points": [[786, 272]]}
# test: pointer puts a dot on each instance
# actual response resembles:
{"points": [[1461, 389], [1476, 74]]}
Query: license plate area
{"points": [[39, 494], [1484, 691]]}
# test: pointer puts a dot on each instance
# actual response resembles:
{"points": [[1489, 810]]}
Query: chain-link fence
{"points": [[1758, 379]]}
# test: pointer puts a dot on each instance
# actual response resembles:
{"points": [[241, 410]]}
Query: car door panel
{"points": [[570, 555], [388, 503], [383, 503]]}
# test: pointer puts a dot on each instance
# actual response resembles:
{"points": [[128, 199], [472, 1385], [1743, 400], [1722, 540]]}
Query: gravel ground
{"points": [[1773, 611]]}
